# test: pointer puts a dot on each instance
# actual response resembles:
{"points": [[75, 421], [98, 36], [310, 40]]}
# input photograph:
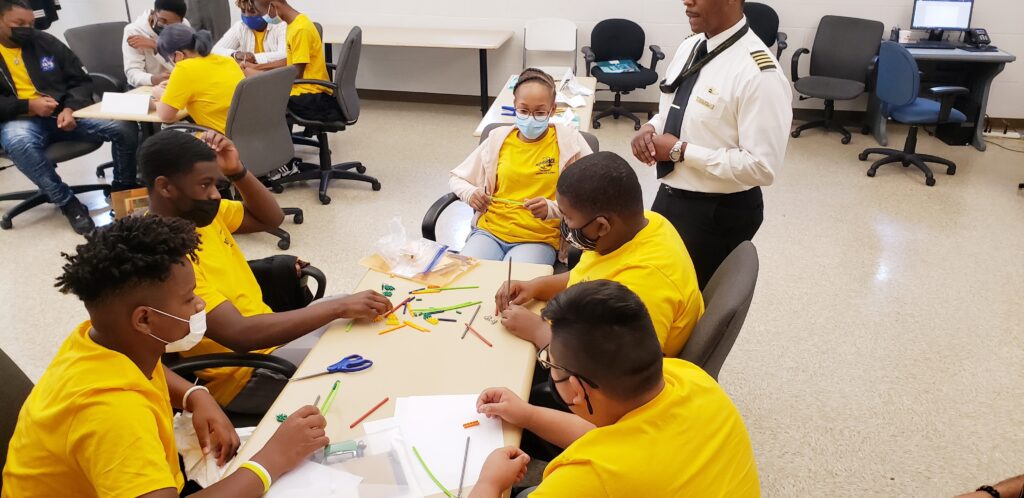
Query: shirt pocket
{"points": [[706, 102]]}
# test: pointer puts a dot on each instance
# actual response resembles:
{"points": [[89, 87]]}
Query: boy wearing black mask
{"points": [[142, 65]]}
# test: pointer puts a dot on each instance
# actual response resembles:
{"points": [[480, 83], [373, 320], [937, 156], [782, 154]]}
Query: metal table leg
{"points": [[483, 82]]}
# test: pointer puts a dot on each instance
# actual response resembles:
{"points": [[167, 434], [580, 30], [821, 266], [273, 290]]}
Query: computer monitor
{"points": [[942, 14]]}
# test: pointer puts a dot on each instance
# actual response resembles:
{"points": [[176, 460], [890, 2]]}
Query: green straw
{"points": [[459, 288], [431, 474], [507, 201], [447, 308], [330, 397], [348, 328]]}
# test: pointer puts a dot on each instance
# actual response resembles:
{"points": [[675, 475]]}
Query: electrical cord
{"points": [[1001, 146]]}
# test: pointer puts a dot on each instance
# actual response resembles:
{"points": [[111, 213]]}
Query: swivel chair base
{"points": [[828, 123], [34, 198], [325, 172], [616, 111], [908, 156]]}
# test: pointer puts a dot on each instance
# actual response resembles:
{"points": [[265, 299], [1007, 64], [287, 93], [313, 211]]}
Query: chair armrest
{"points": [[781, 43], [947, 94], [589, 57], [795, 65], [327, 84], [942, 91], [656, 55], [318, 275], [103, 82], [332, 66], [189, 127], [187, 366], [429, 225], [872, 77]]}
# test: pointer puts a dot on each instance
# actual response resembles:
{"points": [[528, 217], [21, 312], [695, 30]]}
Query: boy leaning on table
{"points": [[641, 424]]}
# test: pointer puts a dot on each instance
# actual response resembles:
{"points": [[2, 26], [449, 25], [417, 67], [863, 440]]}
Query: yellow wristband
{"points": [[260, 472]]}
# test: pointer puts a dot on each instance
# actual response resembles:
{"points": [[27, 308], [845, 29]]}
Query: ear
{"points": [[603, 226], [577, 398], [141, 320], [163, 187]]}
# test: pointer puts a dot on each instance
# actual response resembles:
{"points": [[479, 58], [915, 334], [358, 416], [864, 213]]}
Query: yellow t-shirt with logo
{"points": [[260, 36], [16, 65], [204, 86], [525, 171], [94, 425], [306, 47], [657, 267], [223, 275], [688, 441]]}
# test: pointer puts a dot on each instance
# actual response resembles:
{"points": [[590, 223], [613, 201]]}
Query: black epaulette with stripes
{"points": [[763, 60]]}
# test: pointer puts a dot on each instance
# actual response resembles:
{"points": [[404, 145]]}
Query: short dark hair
{"points": [[606, 335], [177, 6], [602, 183], [6, 5], [534, 75], [171, 153], [133, 251]]}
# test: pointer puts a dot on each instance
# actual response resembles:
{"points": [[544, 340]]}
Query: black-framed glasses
{"points": [[537, 116], [543, 357]]}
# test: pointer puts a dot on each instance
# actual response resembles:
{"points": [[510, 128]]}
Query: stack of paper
{"points": [[312, 479]]}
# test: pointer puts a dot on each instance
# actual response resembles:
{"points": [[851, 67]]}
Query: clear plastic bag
{"points": [[408, 258]]}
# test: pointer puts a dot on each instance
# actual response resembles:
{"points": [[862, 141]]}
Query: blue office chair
{"points": [[898, 85]]}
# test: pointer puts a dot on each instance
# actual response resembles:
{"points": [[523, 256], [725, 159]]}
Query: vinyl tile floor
{"points": [[881, 355]]}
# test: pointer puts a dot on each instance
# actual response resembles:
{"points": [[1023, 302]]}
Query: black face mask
{"points": [[558, 396], [576, 238], [22, 35], [157, 28], [202, 212]]}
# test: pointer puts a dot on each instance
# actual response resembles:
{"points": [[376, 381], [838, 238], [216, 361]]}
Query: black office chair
{"points": [[618, 39], [344, 88], [844, 51], [13, 391], [764, 21], [57, 152]]}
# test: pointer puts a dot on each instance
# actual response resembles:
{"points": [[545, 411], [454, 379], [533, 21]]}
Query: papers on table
{"points": [[434, 425], [312, 479], [132, 104]]}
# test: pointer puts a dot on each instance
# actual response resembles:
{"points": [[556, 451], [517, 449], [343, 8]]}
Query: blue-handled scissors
{"points": [[507, 110], [348, 364]]}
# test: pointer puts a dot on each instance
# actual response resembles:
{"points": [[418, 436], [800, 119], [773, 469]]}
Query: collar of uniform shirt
{"points": [[720, 38]]}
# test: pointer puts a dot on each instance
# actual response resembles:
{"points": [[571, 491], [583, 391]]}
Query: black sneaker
{"points": [[116, 186], [78, 216]]}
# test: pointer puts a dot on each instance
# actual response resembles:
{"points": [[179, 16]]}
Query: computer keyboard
{"points": [[935, 45]]}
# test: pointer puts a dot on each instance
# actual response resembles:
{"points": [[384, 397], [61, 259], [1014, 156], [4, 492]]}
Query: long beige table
{"points": [[392, 36], [505, 98], [412, 363], [95, 111]]}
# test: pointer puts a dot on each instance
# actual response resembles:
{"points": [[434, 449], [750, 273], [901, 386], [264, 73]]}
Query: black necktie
{"points": [[674, 121]]}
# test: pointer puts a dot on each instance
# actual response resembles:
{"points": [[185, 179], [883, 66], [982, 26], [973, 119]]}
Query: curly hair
{"points": [[132, 251], [245, 5]]}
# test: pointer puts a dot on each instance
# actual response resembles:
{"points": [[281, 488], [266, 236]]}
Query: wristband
{"points": [[260, 472], [184, 399], [238, 176], [990, 490]]}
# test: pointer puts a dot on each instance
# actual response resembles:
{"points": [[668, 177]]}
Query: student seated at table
{"points": [[142, 65], [306, 53], [641, 425], [510, 178], [181, 172], [603, 215], [99, 422], [203, 83], [43, 84], [253, 42]]}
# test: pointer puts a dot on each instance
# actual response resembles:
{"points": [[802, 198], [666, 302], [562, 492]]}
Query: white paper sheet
{"points": [[433, 424], [201, 468], [312, 479], [133, 104]]}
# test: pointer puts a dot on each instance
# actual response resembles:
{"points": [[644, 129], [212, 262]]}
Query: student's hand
{"points": [[42, 106], [160, 79], [521, 322], [141, 42], [538, 207], [480, 201], [295, 440], [500, 402], [503, 468], [366, 305], [227, 154], [158, 92], [65, 120], [216, 434], [643, 145], [244, 57], [662, 145], [517, 291]]}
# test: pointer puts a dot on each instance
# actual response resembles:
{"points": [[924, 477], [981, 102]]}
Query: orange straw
{"points": [[385, 315], [367, 414], [471, 329]]}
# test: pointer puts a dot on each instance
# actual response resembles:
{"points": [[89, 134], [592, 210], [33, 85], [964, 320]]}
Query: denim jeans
{"points": [[25, 141], [482, 245]]}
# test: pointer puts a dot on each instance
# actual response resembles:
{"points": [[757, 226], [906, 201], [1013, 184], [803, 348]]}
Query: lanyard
{"points": [[666, 88]]}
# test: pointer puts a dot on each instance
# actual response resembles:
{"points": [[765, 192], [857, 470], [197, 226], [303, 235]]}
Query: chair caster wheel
{"points": [[298, 219], [277, 189], [795, 134], [6, 223], [871, 173], [950, 171], [845, 140], [929, 182], [636, 127], [375, 186], [865, 131], [100, 174], [650, 115], [284, 244], [324, 199], [862, 156], [597, 124], [360, 169]]}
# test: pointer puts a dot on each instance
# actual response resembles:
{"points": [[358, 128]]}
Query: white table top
{"points": [[95, 111], [504, 98], [393, 36]]}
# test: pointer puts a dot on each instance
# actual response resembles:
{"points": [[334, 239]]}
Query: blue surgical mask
{"points": [[530, 127], [272, 20], [255, 23]]}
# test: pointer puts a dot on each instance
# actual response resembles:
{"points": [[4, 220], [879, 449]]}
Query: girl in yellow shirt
{"points": [[510, 179]]}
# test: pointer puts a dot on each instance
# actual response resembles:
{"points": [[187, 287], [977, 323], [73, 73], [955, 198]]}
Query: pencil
{"points": [[385, 315], [316, 401], [508, 284], [462, 478], [488, 343], [330, 396], [471, 321], [367, 414]]}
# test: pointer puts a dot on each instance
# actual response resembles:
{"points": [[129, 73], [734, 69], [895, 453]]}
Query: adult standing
{"points": [[720, 133]]}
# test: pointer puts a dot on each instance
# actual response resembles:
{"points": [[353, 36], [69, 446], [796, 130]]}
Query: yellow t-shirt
{"points": [[306, 47], [656, 266], [94, 425], [16, 65], [688, 441], [525, 171], [204, 86], [223, 274], [260, 36]]}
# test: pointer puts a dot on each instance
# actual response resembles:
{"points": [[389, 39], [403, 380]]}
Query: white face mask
{"points": [[196, 331]]}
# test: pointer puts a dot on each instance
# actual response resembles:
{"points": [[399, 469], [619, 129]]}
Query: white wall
{"points": [[455, 71]]}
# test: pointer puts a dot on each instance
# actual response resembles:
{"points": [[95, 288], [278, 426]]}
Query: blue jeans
{"points": [[25, 141], [483, 245]]}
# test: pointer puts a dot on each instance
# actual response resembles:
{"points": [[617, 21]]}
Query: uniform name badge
{"points": [[708, 98]]}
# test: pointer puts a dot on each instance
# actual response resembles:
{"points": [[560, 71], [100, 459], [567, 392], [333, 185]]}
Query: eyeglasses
{"points": [[537, 116], [544, 358]]}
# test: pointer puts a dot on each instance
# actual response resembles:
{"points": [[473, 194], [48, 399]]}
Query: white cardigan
{"points": [[241, 39]]}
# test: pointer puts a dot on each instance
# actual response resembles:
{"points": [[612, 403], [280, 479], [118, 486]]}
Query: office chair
{"points": [[844, 50], [344, 87], [617, 39], [764, 21], [13, 392], [57, 152], [898, 86], [550, 35], [259, 102], [727, 299]]}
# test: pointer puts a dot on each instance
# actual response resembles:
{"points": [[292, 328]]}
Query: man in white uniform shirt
{"points": [[720, 133]]}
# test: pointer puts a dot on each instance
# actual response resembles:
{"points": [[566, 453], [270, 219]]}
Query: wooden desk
{"points": [[493, 114], [412, 363], [95, 111], [391, 36]]}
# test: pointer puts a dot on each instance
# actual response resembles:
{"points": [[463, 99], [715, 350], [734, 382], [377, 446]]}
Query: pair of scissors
{"points": [[348, 364], [507, 110]]}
